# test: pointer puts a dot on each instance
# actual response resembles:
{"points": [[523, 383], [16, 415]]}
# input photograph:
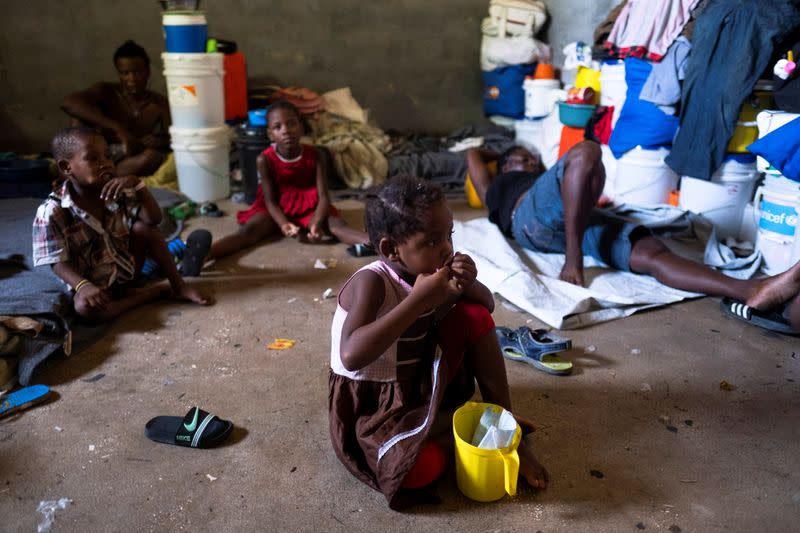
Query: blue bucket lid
{"points": [[741, 158], [257, 117]]}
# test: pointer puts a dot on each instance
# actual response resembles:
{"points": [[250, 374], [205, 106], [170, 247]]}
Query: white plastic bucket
{"points": [[201, 158], [777, 208], [769, 121], [722, 199], [610, 164], [530, 134], [748, 231], [195, 89], [613, 88], [540, 97], [643, 178]]}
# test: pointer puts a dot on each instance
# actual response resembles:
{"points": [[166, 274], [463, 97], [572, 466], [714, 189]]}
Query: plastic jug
{"points": [[483, 475]]}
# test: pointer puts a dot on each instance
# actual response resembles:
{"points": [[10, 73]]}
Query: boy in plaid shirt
{"points": [[96, 231]]}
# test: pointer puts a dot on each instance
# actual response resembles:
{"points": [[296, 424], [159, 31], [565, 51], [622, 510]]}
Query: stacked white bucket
{"points": [[643, 178], [723, 199], [200, 138]]}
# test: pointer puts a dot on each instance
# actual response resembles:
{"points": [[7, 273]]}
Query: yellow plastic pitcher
{"points": [[483, 475]]}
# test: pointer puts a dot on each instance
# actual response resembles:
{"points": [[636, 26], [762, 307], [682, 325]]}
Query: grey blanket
{"points": [[428, 157], [28, 291]]}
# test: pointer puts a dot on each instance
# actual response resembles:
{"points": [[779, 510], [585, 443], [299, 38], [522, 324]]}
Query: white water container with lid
{"points": [[195, 88], [643, 178], [777, 208], [540, 97], [721, 200], [202, 161]]}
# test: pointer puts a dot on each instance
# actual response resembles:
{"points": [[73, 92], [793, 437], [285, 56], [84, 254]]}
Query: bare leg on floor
{"points": [[345, 233], [650, 256], [255, 230], [114, 308], [777, 289], [581, 187]]}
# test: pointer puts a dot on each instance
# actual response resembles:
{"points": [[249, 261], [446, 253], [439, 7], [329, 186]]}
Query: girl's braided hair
{"points": [[398, 208]]}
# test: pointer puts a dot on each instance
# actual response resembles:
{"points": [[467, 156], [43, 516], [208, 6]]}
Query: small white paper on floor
{"points": [[495, 430], [530, 281]]}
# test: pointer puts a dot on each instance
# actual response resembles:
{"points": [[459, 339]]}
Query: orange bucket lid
{"points": [[674, 198], [544, 71]]}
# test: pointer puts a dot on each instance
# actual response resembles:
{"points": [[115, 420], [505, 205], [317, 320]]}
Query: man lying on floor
{"points": [[553, 211]]}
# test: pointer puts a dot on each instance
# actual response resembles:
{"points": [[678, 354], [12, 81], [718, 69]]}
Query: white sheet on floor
{"points": [[530, 281]]}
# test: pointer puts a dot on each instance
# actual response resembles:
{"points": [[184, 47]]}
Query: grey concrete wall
{"points": [[413, 63]]}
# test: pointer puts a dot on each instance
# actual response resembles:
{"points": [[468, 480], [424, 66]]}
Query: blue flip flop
{"points": [[23, 398], [535, 347]]}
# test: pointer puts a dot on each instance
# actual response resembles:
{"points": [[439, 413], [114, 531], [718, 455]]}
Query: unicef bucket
{"points": [[721, 200], [643, 178], [195, 89], [185, 32], [777, 204], [483, 475], [202, 161]]}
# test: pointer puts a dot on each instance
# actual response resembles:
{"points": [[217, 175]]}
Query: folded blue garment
{"points": [[781, 148], [640, 123]]}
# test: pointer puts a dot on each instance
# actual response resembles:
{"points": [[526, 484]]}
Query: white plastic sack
{"points": [[495, 430], [499, 52]]}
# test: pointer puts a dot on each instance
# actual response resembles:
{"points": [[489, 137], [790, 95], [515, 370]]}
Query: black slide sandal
{"points": [[361, 250], [198, 429], [771, 320], [197, 246]]}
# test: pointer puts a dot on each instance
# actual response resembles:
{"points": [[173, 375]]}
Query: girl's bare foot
{"points": [[525, 425], [776, 290], [186, 293], [530, 469]]}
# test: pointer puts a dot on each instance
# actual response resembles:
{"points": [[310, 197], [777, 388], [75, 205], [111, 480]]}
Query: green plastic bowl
{"points": [[575, 115]]}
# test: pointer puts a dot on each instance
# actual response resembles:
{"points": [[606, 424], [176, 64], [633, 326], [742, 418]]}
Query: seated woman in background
{"points": [[134, 120]]}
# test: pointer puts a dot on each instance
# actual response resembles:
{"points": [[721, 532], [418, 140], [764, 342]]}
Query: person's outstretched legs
{"points": [[147, 239], [581, 187], [777, 289], [258, 228], [345, 233], [650, 256]]}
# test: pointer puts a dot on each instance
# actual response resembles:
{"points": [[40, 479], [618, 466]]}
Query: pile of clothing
{"points": [[690, 66], [356, 148]]}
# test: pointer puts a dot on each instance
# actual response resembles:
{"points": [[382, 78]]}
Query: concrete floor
{"points": [[644, 408]]}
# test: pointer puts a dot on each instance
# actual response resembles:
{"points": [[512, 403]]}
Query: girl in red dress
{"points": [[292, 197]]}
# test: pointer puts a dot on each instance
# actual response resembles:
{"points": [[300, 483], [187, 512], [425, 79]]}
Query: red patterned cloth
{"points": [[295, 187]]}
